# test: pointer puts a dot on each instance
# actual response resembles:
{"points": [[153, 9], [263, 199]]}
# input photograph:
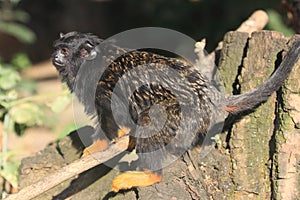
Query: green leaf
{"points": [[276, 23], [60, 103], [6, 97], [28, 114], [27, 86], [2, 111], [11, 95], [8, 78], [10, 170], [19, 31], [20, 61]]}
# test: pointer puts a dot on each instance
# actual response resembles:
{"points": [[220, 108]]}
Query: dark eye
{"points": [[64, 51]]}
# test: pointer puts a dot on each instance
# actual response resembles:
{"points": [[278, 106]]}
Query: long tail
{"points": [[250, 100]]}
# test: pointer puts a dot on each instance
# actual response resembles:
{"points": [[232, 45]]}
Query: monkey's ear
{"points": [[92, 55], [91, 49], [90, 45], [61, 35]]}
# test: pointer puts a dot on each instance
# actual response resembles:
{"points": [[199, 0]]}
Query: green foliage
{"points": [[8, 78], [19, 107], [19, 31], [28, 114], [20, 61], [30, 111], [22, 114], [18, 112], [60, 103], [26, 86], [276, 23], [11, 21], [10, 171]]}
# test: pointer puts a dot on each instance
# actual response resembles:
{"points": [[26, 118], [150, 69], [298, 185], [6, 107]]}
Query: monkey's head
{"points": [[70, 52]]}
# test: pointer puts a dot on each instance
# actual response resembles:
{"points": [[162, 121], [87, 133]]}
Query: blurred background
{"points": [[195, 18], [35, 108]]}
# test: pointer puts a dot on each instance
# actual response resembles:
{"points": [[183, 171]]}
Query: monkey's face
{"points": [[70, 51]]}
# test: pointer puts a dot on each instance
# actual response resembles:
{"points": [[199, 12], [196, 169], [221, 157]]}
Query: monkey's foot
{"points": [[131, 179], [97, 146]]}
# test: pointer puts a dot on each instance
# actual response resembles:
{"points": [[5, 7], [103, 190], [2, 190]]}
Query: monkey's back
{"points": [[164, 101]]}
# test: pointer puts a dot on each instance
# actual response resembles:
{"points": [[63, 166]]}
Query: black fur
{"points": [[73, 44]]}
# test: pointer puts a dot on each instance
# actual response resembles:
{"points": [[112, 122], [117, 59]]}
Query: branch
{"points": [[256, 22], [71, 170]]}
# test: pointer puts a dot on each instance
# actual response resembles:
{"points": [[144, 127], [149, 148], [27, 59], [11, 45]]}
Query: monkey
{"points": [[177, 87]]}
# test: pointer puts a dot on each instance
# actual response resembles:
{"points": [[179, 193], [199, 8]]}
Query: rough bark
{"points": [[286, 165], [257, 157], [257, 143]]}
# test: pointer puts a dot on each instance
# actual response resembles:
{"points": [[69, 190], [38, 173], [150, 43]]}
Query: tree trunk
{"points": [[257, 157]]}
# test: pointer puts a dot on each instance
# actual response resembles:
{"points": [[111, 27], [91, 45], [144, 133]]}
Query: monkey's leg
{"points": [[102, 142]]}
